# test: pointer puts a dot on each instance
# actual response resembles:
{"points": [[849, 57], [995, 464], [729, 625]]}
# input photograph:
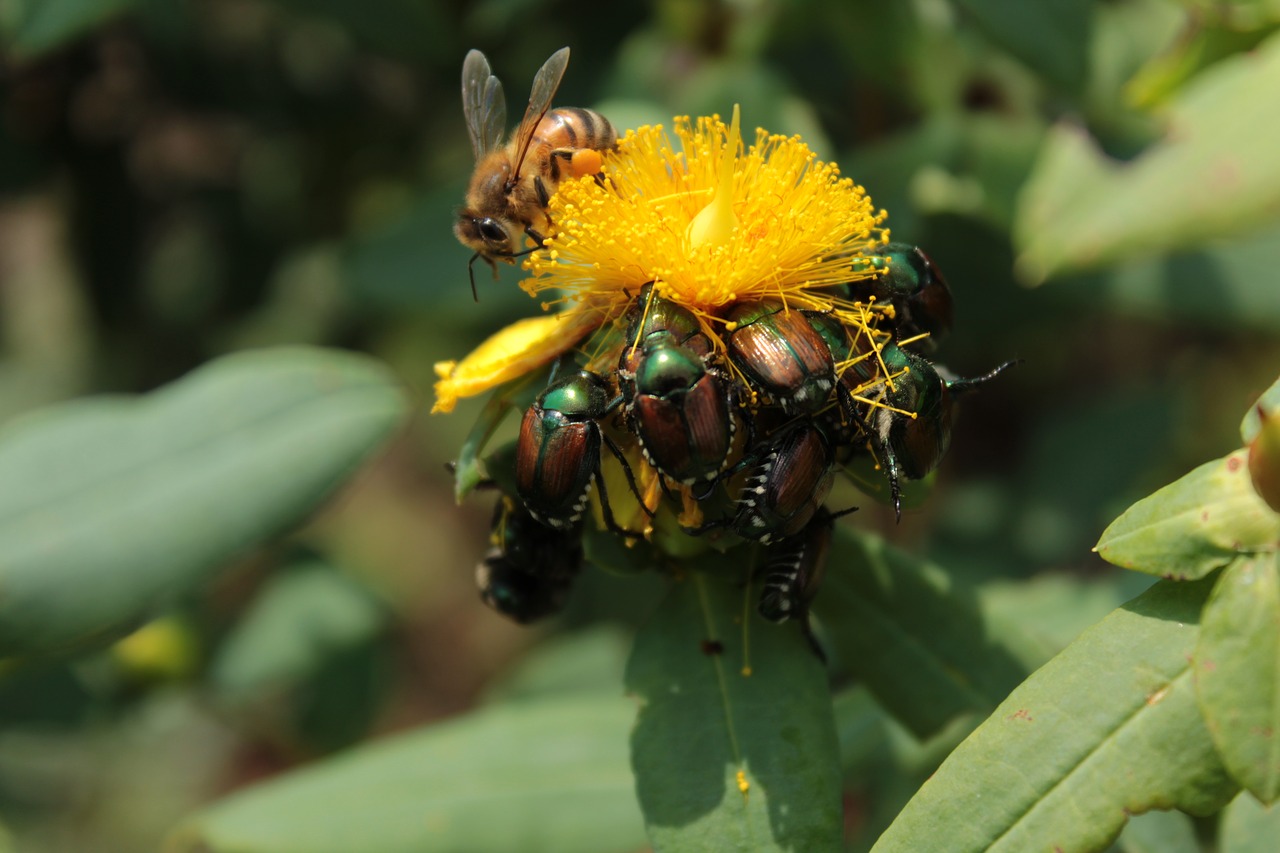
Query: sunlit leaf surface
{"points": [[1236, 663], [1194, 525], [1107, 729], [1214, 174]]}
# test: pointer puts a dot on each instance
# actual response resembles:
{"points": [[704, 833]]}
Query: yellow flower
{"points": [[709, 222], [518, 349]]}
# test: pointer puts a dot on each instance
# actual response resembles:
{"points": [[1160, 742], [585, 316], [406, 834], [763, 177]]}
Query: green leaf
{"points": [[1236, 663], [860, 724], [535, 776], [1048, 611], [111, 506], [904, 629], [1159, 832], [46, 24], [707, 727], [588, 661], [471, 470], [302, 617], [1249, 827], [1252, 423], [1194, 525], [1051, 36], [1242, 14], [1213, 175], [1107, 729], [1201, 45], [868, 736], [884, 764], [1226, 285]]}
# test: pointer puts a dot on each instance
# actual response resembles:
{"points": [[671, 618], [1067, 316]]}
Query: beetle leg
{"points": [[806, 629], [609, 521], [884, 456], [555, 368], [703, 495], [666, 490], [707, 527], [832, 516], [895, 488], [631, 480]]}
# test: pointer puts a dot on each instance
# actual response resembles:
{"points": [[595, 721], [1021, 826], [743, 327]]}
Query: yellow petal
{"points": [[514, 351]]}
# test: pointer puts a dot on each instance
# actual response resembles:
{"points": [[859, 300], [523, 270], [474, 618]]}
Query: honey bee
{"points": [[513, 182]]}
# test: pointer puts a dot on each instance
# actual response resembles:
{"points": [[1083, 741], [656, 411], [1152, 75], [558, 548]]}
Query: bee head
{"points": [[486, 235]]}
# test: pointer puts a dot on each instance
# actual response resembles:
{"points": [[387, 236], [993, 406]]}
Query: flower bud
{"points": [[1264, 458]]}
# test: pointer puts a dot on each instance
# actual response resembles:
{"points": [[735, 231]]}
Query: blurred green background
{"points": [[1098, 181]]}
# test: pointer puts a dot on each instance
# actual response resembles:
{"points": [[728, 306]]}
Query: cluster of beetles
{"points": [[752, 432]]}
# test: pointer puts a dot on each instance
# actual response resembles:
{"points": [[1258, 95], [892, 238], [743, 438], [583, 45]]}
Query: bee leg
{"points": [[582, 161], [540, 187], [471, 272]]}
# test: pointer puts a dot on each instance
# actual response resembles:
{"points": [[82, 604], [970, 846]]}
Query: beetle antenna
{"points": [[960, 387], [832, 516]]}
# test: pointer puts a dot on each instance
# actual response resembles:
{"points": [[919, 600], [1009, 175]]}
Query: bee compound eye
{"points": [[492, 233]]}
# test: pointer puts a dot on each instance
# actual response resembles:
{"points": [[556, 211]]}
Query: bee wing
{"points": [[544, 89], [483, 105]]}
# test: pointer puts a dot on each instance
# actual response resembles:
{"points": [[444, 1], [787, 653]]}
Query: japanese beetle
{"points": [[678, 408], [558, 450], [792, 572], [681, 413], [652, 318], [795, 471], [527, 573], [910, 281], [911, 445], [783, 354], [793, 568]]}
